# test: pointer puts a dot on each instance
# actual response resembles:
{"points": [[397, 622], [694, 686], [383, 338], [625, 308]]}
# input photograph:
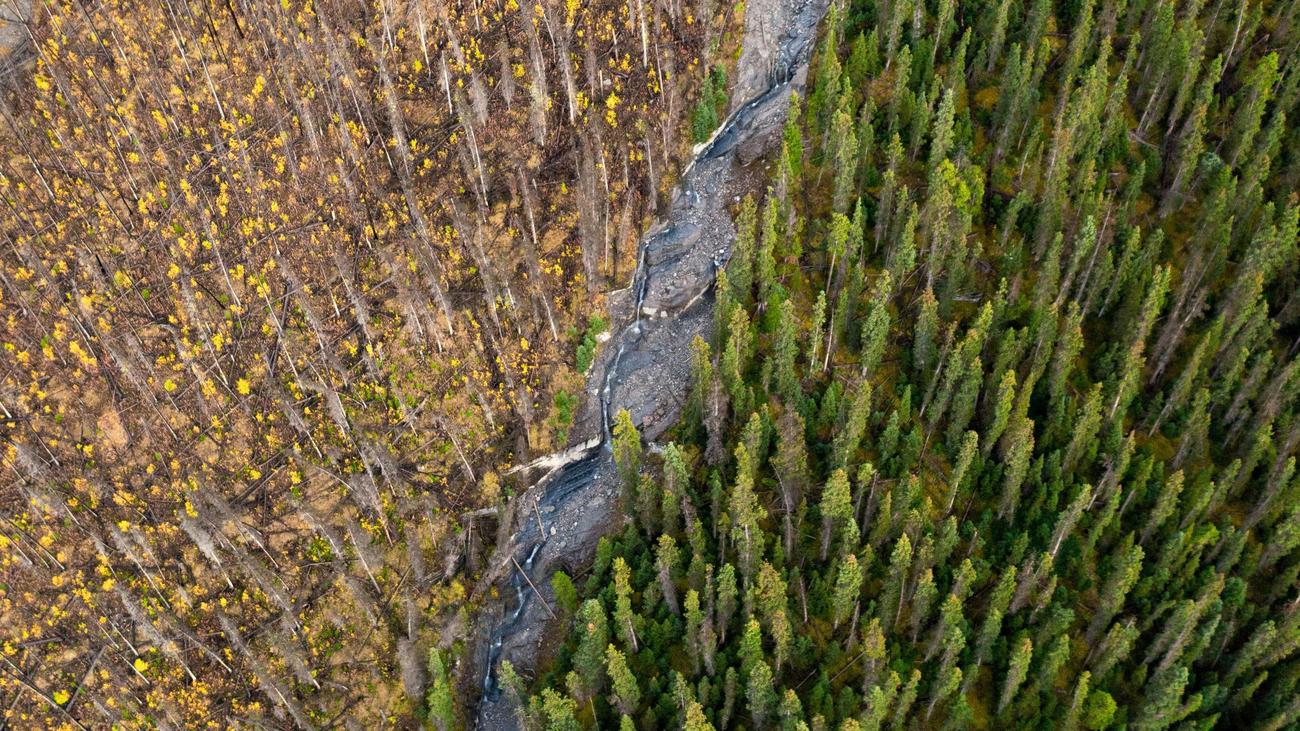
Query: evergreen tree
{"points": [[792, 471], [1020, 446], [922, 599], [963, 406], [926, 341], [1131, 371], [727, 596], [902, 254], [1252, 100], [704, 119], [848, 583], [675, 485], [941, 134], [666, 560], [792, 138], [627, 455], [1098, 710], [791, 709], [945, 685], [770, 602], [702, 376], [625, 618], [826, 85], [1074, 712], [1114, 647], [1165, 505], [593, 636], [844, 142], [1017, 670], [761, 694], [768, 251], [997, 20], [1191, 140], [1121, 578], [785, 353], [837, 510], [440, 699], [849, 438], [566, 594], [695, 718], [815, 331], [1069, 518], [1057, 655], [746, 516], [1162, 705], [900, 564], [876, 328], [648, 499], [740, 269], [695, 622], [751, 647], [559, 713], [1086, 424], [736, 359], [1002, 406], [626, 693]]}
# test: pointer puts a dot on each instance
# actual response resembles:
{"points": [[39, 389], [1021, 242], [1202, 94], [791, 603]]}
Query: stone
{"points": [[671, 243], [690, 280]]}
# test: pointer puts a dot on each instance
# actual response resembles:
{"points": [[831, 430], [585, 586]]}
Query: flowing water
{"points": [[692, 243]]}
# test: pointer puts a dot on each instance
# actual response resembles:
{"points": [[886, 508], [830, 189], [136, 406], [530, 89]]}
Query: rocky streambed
{"points": [[645, 365]]}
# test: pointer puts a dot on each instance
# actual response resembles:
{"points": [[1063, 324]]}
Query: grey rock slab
{"points": [[672, 242], [645, 366]]}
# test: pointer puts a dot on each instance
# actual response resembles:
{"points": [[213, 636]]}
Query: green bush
{"points": [[587, 348]]}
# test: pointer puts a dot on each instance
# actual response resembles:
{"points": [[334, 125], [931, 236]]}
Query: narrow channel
{"points": [[648, 371]]}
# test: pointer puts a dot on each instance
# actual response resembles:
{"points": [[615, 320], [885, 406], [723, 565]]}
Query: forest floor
{"points": [[16, 52], [13, 14], [645, 366]]}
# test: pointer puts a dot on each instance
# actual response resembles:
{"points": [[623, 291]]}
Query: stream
{"points": [[645, 365]]}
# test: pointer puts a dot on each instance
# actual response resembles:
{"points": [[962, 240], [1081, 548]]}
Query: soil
{"points": [[13, 36], [645, 365]]}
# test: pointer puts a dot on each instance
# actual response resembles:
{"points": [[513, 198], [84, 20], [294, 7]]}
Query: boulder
{"points": [[672, 243]]}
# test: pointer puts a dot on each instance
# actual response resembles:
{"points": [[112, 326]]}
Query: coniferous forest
{"points": [[998, 426]]}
